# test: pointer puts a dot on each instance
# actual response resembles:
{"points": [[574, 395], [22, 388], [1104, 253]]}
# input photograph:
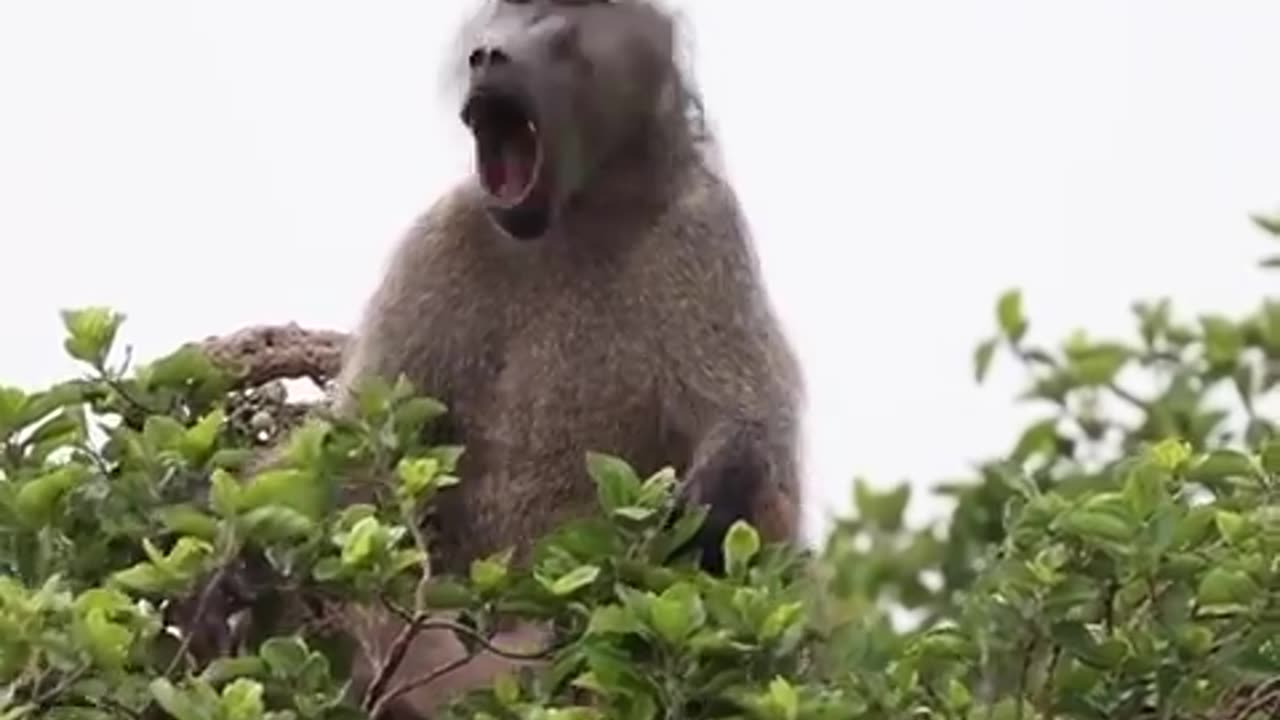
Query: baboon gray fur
{"points": [[618, 307]]}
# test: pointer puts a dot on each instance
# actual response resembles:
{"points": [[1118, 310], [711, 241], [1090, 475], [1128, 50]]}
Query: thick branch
{"points": [[262, 353]]}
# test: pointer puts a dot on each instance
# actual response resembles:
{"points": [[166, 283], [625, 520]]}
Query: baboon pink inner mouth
{"points": [[507, 146]]}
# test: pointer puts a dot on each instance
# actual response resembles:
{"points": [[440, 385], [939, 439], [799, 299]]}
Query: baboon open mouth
{"points": [[508, 151]]}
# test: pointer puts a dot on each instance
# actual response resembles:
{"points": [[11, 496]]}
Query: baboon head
{"points": [[557, 90]]}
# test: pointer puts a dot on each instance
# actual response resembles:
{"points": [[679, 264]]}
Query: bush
{"points": [[1123, 560]]}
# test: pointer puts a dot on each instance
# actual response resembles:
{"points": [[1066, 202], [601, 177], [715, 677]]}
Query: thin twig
{"points": [[399, 648], [1128, 397], [1258, 703], [1024, 674], [206, 595], [374, 697], [1046, 689], [106, 703], [47, 697], [112, 381], [396, 610], [485, 642], [411, 685], [404, 640]]}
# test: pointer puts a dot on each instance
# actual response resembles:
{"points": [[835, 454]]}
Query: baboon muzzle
{"points": [[509, 159]]}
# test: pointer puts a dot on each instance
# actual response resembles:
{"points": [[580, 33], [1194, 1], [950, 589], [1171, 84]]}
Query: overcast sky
{"points": [[207, 165]]}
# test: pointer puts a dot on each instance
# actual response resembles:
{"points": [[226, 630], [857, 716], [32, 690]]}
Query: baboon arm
{"points": [[389, 339], [743, 470], [734, 388]]}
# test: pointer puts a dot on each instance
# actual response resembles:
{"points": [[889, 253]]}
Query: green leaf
{"points": [[1233, 526], [144, 578], [162, 433], [741, 544], [416, 413], [574, 580], [634, 513], [506, 689], [958, 696], [198, 441], [285, 656], [12, 402], [276, 523], [37, 499], [305, 448], [679, 534], [297, 489], [780, 620], [68, 427], [677, 613], [181, 369], [1219, 465], [107, 642], [1012, 322], [242, 700], [1223, 341], [490, 573], [329, 569], [1097, 525], [316, 672], [418, 475], [1040, 437], [658, 488], [91, 333], [784, 698], [224, 493], [1221, 586], [883, 509], [614, 619], [187, 557], [1183, 566], [448, 456], [1145, 489], [1194, 528], [1099, 364], [362, 542], [983, 354], [186, 520], [1271, 457], [225, 669], [1195, 640], [181, 705], [1170, 453], [617, 484], [1269, 223], [373, 396], [444, 594]]}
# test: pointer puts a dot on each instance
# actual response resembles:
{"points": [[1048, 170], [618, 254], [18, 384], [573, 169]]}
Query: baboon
{"points": [[592, 287]]}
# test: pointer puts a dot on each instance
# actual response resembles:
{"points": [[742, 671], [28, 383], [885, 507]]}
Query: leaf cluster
{"points": [[1122, 559]]}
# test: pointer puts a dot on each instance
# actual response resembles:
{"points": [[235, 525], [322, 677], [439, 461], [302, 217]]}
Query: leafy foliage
{"points": [[1122, 560]]}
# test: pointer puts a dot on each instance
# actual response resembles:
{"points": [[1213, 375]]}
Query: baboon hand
{"points": [[729, 479]]}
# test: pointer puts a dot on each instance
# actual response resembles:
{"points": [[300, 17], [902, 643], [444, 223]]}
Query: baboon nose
{"points": [[485, 57]]}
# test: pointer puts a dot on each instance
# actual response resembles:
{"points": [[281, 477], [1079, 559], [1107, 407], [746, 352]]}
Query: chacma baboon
{"points": [[591, 288]]}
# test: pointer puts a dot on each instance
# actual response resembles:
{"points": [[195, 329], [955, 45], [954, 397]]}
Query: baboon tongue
{"points": [[515, 171]]}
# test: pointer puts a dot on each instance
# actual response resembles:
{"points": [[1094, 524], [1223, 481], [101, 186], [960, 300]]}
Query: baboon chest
{"points": [[536, 380]]}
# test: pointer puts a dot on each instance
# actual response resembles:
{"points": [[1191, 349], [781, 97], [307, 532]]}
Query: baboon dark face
{"points": [[556, 87]]}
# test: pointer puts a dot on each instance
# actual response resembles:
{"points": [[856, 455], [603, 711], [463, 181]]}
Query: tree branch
{"points": [[262, 353], [410, 685]]}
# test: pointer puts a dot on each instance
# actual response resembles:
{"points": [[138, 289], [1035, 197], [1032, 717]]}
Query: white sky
{"points": [[901, 163]]}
